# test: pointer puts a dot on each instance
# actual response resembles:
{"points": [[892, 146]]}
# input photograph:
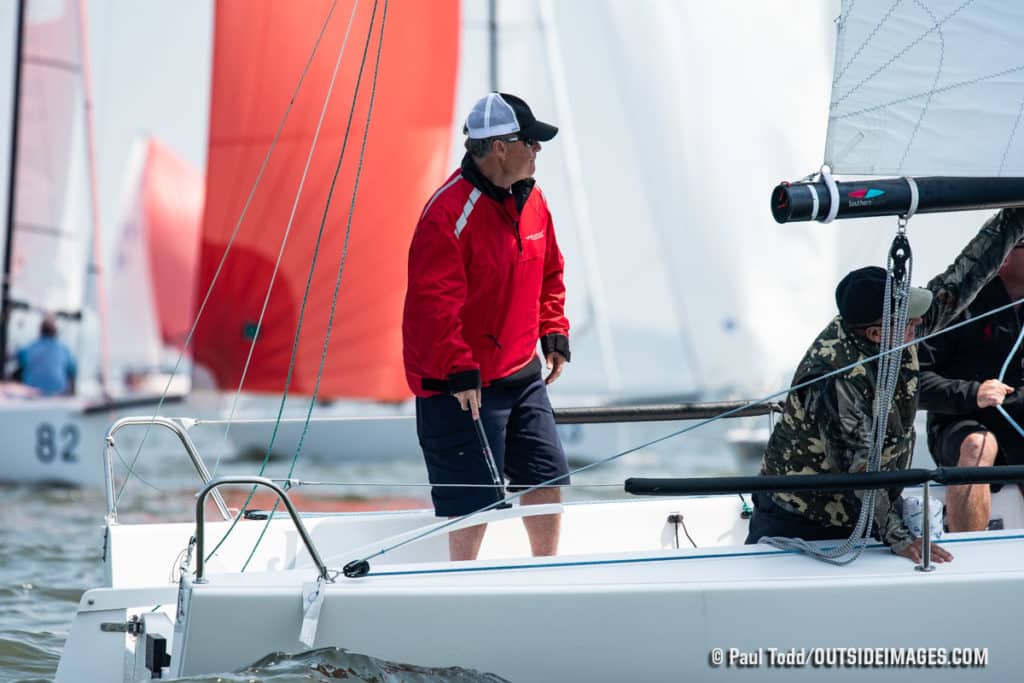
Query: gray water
{"points": [[51, 539]]}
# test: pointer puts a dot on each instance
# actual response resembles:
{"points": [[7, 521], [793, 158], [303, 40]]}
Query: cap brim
{"points": [[920, 302], [538, 130]]}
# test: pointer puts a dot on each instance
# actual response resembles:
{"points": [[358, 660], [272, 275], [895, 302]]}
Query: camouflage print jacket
{"points": [[826, 427]]}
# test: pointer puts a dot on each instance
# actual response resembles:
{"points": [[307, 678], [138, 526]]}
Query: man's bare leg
{"points": [[543, 530], [968, 507], [464, 544]]}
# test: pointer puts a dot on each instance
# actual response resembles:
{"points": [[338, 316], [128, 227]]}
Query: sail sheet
{"points": [[260, 51], [156, 256], [928, 88], [52, 227]]}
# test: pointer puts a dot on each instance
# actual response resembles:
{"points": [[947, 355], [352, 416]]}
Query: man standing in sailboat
{"points": [[827, 427], [485, 283]]}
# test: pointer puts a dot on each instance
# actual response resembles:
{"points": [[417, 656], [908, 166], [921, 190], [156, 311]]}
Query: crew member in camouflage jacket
{"points": [[826, 427]]}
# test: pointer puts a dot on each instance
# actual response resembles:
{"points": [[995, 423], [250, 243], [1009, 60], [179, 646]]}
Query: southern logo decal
{"points": [[865, 193]]}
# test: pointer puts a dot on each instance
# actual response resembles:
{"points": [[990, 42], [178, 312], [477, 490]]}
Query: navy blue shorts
{"points": [[945, 440], [520, 428]]}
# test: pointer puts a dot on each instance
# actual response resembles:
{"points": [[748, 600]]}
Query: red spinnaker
{"points": [[260, 50]]}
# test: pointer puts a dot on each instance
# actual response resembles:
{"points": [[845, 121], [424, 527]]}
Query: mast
{"points": [[492, 34], [5, 279], [95, 271]]}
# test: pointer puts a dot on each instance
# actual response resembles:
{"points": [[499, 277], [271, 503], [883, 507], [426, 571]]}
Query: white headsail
{"points": [[928, 88]]}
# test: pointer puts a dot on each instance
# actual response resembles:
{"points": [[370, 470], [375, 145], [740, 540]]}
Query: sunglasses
{"points": [[529, 142]]}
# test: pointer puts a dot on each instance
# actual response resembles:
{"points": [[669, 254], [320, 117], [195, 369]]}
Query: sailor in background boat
{"points": [[960, 389], [47, 364], [485, 281], [827, 427]]}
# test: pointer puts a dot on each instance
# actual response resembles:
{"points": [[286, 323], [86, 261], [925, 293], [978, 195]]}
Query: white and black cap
{"points": [[498, 114]]}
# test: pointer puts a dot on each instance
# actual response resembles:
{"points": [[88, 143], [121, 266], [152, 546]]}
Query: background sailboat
{"points": [[51, 254], [157, 252]]}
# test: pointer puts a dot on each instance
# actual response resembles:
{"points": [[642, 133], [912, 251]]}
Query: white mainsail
{"points": [[680, 120], [932, 88]]}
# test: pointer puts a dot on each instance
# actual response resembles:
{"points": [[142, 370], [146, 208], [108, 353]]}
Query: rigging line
{"points": [[935, 81], [231, 240], [312, 266], [294, 483], [348, 234], [277, 264], [904, 50], [697, 425], [344, 251], [305, 298], [1002, 373], [130, 473]]}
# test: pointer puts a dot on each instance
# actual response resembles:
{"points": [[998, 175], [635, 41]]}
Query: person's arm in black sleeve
{"points": [[940, 394]]}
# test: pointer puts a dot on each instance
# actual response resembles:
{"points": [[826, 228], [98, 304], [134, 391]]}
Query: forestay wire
{"points": [[227, 249]]}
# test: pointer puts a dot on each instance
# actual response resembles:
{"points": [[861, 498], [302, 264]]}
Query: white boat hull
{"points": [[626, 599], [52, 441]]}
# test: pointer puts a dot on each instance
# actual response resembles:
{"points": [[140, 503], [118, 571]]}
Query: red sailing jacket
{"points": [[485, 283]]}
